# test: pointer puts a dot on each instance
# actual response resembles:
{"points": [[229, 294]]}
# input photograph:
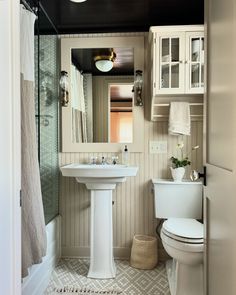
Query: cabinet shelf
{"points": [[160, 111], [175, 48], [179, 79], [166, 116], [167, 104]]}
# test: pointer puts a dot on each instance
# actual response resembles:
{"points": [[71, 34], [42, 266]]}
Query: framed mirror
{"points": [[101, 115]]}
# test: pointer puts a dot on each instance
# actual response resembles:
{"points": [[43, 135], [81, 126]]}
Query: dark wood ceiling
{"points": [[121, 15], [83, 59]]}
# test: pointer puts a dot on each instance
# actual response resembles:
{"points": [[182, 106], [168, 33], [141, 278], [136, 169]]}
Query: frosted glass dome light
{"points": [[104, 65], [78, 1]]}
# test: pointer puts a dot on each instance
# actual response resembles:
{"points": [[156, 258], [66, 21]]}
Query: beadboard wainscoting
{"points": [[133, 209]]}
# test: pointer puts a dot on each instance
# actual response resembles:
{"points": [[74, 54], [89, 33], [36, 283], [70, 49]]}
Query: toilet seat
{"points": [[180, 245], [181, 239], [183, 230]]}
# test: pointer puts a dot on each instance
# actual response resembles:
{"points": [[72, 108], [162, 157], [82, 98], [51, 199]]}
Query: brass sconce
{"points": [[138, 85], [64, 84]]}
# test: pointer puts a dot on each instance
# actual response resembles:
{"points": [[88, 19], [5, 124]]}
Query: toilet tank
{"points": [[177, 199]]}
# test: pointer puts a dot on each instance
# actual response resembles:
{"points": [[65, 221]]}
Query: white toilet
{"points": [[182, 235]]}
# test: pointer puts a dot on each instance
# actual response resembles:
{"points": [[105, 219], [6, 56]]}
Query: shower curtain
{"points": [[88, 100], [33, 224], [78, 106]]}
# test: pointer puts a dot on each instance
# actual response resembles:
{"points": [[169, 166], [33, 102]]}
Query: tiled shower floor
{"points": [[131, 281]]}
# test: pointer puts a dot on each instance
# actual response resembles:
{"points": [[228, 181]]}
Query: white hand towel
{"points": [[179, 118]]}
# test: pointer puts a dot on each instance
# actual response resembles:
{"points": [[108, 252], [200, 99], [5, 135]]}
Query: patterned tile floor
{"points": [[131, 281]]}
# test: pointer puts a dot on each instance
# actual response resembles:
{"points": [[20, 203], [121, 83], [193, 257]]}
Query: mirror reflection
{"points": [[101, 95]]}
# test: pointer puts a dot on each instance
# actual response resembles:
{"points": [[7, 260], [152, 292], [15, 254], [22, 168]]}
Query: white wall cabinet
{"points": [[177, 61]]}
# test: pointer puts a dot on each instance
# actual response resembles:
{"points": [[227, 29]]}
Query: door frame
{"points": [[10, 148]]}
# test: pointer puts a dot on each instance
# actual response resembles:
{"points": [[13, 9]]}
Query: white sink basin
{"points": [[98, 171], [100, 180]]}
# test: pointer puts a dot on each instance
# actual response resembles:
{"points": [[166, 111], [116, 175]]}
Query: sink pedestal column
{"points": [[102, 265], [100, 180]]}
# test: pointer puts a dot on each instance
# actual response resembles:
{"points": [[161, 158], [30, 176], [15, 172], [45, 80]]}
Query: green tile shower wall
{"points": [[46, 105]]}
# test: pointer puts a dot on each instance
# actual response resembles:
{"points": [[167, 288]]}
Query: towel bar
{"points": [[166, 116], [167, 104]]}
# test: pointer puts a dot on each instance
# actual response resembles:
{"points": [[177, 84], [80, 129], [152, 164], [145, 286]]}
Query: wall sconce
{"points": [[138, 85], [64, 84]]}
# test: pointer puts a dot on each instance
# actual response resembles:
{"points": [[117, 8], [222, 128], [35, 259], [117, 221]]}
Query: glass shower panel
{"points": [[46, 105], [48, 91]]}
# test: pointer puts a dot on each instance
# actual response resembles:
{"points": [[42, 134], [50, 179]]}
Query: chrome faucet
{"points": [[93, 160], [103, 162], [109, 161], [114, 160]]}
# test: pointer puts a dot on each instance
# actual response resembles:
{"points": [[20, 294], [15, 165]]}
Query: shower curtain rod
{"points": [[28, 7]]}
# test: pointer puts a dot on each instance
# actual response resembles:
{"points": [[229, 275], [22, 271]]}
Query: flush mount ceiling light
{"points": [[78, 1], [104, 63]]}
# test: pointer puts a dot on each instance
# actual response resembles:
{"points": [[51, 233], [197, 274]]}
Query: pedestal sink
{"points": [[100, 180]]}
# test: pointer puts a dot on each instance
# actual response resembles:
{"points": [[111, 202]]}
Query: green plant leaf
{"points": [[180, 163]]}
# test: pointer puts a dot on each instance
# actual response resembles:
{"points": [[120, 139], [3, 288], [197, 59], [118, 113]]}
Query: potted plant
{"points": [[179, 164]]}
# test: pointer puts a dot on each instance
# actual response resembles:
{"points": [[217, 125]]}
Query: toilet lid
{"points": [[184, 227]]}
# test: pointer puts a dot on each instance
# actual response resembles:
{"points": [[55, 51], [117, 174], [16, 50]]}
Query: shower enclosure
{"points": [[47, 108]]}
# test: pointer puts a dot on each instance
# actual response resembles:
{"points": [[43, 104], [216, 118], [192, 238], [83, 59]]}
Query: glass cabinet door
{"points": [[195, 70], [179, 62], [170, 64]]}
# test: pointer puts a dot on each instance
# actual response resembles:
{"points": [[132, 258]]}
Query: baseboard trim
{"points": [[84, 252], [119, 253], [39, 275]]}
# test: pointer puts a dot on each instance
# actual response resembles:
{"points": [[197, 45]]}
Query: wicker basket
{"points": [[144, 252]]}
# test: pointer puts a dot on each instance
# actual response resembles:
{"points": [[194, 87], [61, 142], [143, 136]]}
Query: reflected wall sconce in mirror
{"points": [[137, 89], [64, 84], [104, 63]]}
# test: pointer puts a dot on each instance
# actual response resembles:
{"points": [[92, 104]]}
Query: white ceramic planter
{"points": [[177, 173]]}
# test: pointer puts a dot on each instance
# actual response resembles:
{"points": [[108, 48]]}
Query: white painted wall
{"points": [[10, 219]]}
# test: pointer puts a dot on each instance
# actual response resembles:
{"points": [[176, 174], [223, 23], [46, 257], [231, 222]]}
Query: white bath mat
{"points": [[85, 291]]}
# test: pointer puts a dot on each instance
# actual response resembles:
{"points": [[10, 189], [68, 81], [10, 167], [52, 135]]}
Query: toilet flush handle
{"points": [[194, 175]]}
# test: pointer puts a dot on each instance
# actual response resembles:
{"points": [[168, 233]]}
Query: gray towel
{"points": [[33, 224]]}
